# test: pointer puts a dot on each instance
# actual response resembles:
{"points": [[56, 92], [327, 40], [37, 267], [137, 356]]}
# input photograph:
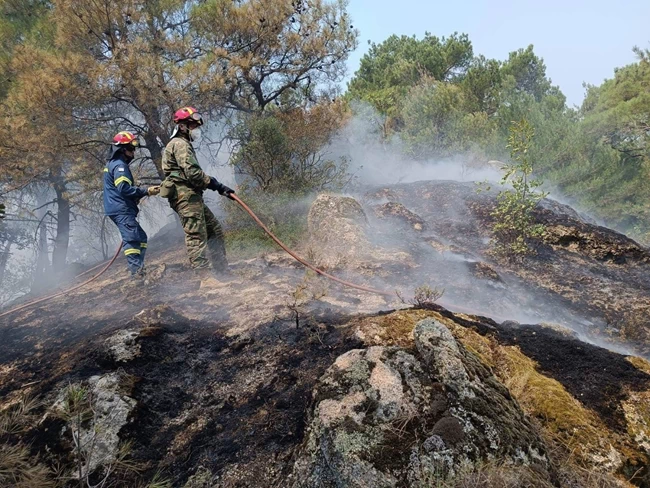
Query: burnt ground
{"points": [[588, 278], [236, 406], [224, 378], [598, 378]]}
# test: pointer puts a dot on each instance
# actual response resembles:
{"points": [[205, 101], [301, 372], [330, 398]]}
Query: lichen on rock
{"points": [[122, 346], [386, 416]]}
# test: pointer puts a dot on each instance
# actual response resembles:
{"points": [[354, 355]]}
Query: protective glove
{"points": [[225, 191], [220, 187], [214, 184], [153, 190]]}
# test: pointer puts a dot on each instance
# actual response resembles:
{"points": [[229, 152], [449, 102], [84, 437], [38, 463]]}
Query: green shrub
{"points": [[513, 220], [284, 214]]}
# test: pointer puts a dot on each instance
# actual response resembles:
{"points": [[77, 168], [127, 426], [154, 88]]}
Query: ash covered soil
{"points": [[225, 378]]}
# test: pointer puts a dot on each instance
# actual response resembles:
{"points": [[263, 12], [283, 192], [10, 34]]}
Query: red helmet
{"points": [[188, 114], [125, 138]]}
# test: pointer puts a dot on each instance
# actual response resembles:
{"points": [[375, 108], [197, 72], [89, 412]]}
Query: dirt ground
{"points": [[225, 374]]}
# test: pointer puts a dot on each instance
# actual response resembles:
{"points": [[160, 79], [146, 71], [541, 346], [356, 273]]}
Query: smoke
{"points": [[442, 257], [377, 160], [91, 237]]}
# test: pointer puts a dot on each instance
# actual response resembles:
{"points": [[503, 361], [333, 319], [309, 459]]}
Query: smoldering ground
{"points": [[451, 250], [447, 253], [224, 377]]}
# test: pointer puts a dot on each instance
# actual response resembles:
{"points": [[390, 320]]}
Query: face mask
{"points": [[195, 134]]}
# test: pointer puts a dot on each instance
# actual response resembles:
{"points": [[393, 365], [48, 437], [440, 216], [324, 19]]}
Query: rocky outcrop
{"points": [[122, 346], [399, 213], [584, 276], [388, 417], [337, 230], [111, 409], [340, 237], [96, 412]]}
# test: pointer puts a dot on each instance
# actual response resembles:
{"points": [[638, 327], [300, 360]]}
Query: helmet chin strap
{"points": [[182, 129]]}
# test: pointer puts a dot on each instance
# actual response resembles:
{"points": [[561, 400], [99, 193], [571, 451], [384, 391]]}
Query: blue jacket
{"points": [[121, 196]]}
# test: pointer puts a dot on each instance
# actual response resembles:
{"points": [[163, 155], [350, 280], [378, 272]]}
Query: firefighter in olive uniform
{"points": [[184, 185]]}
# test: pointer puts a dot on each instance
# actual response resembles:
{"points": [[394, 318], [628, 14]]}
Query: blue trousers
{"points": [[134, 241]]}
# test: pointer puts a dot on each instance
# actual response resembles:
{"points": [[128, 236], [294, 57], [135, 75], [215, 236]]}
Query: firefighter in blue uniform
{"points": [[121, 198]]}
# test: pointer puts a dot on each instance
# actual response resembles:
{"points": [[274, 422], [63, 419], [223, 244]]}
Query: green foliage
{"points": [[482, 85], [529, 73], [389, 69], [282, 153], [437, 122], [403, 60], [443, 101], [514, 228], [601, 155], [285, 214], [76, 404]]}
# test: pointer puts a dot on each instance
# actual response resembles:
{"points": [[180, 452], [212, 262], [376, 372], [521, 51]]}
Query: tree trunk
{"points": [[155, 151], [152, 137], [62, 239], [42, 258], [4, 259]]}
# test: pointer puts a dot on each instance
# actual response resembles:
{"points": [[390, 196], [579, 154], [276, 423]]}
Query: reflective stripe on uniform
{"points": [[121, 179], [143, 245], [105, 170], [128, 252]]}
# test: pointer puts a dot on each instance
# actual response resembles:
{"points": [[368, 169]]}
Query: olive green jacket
{"points": [[180, 165]]}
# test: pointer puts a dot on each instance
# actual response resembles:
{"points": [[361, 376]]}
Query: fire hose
{"points": [[302, 261], [348, 284], [265, 229], [69, 290]]}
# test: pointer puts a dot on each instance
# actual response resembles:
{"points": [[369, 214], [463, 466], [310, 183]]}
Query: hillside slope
{"points": [[229, 386]]}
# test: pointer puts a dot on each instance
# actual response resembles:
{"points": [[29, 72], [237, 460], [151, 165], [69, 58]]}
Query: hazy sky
{"points": [[580, 41]]}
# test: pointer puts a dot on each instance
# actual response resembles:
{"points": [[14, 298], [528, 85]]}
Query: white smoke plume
{"points": [[374, 162]]}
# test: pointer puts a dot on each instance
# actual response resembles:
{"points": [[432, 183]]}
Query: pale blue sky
{"points": [[580, 40]]}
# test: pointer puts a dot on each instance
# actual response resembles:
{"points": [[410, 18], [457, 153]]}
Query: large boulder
{"points": [[337, 231], [340, 237], [387, 417]]}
